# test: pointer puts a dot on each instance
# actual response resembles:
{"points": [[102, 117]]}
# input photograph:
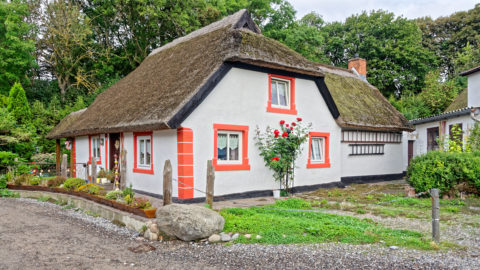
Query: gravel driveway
{"points": [[36, 235]]}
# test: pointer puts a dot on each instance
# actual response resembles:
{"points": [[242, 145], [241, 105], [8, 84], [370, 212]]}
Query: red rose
{"points": [[282, 122], [287, 125], [275, 158], [294, 124], [291, 128], [285, 134], [276, 135], [299, 119]]}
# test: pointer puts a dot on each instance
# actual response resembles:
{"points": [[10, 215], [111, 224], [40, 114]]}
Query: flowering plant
{"points": [[280, 152]]}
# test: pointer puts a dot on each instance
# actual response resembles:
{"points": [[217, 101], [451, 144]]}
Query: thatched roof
{"points": [[460, 102], [173, 80], [66, 123]]}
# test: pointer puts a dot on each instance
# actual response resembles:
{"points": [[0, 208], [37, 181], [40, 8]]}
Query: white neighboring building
{"points": [[461, 112], [201, 98]]}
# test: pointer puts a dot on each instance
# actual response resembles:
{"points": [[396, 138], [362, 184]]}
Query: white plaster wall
{"points": [[474, 90], [164, 147], [389, 163], [241, 99]]}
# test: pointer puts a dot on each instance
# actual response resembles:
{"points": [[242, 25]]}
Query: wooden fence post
{"points": [[57, 156], [210, 183], [64, 166], [94, 170], [123, 169], [167, 183], [435, 193]]}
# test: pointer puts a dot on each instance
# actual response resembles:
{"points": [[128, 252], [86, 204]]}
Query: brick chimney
{"points": [[360, 66]]}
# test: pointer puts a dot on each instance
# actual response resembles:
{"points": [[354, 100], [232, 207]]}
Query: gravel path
{"points": [[36, 235]]}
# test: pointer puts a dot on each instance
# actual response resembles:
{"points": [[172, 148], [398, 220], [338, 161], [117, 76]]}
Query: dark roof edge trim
{"points": [[198, 98], [246, 20], [470, 71], [443, 116], [319, 81]]}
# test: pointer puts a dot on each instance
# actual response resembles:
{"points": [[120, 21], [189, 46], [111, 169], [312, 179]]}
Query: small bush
{"points": [[444, 170], [55, 182], [110, 175], [128, 200], [141, 203], [73, 183], [90, 188], [24, 169], [102, 174], [114, 195], [35, 181], [22, 179], [128, 191], [7, 193], [3, 181]]}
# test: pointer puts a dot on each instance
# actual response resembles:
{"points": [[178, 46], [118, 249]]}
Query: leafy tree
{"points": [[438, 95], [15, 47], [467, 58], [18, 104], [411, 106]]}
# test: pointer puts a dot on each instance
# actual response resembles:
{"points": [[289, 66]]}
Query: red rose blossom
{"points": [[299, 119], [294, 124], [275, 158], [287, 125], [276, 135], [285, 134], [291, 128], [282, 122]]}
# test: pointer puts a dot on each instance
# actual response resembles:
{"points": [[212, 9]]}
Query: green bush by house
{"points": [[73, 183], [444, 170]]}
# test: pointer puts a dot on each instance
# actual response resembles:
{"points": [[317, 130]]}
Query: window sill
{"points": [[318, 165], [231, 167], [281, 110], [140, 170]]}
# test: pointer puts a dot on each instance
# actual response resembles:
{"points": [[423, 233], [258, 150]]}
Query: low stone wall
{"points": [[131, 221]]}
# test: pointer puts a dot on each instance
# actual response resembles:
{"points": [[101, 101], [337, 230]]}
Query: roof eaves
{"points": [[470, 71], [441, 116]]}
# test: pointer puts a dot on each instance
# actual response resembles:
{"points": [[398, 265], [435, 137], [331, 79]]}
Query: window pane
{"points": [[233, 147], [222, 146], [317, 149], [147, 148], [142, 151], [274, 95], [282, 93]]}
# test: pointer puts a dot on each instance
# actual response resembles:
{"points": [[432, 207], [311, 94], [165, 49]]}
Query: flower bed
{"points": [[120, 206]]}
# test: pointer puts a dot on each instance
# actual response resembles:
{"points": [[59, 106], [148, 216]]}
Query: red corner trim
{"points": [[135, 168], [99, 161], [185, 163], [293, 109], [326, 164], [74, 157], [231, 167]]}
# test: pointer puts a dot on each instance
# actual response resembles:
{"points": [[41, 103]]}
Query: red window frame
{"points": [[244, 165], [99, 161], [326, 163], [292, 109], [135, 143]]}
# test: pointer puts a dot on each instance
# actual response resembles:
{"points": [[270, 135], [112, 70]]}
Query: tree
{"points": [[467, 58], [437, 95], [16, 48], [18, 104]]}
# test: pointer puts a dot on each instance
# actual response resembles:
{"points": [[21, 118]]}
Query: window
{"points": [[143, 149], [367, 149], [432, 136], [94, 149], [230, 147], [318, 150], [281, 94], [357, 136]]}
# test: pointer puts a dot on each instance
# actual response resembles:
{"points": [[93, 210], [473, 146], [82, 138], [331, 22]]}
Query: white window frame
{"points": [[96, 151], [322, 154], [240, 146], [139, 151], [288, 93]]}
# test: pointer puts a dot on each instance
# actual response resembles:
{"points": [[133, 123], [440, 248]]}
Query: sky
{"points": [[339, 10]]}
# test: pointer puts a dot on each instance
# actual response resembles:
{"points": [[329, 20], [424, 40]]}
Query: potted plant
{"points": [[102, 176], [145, 205]]}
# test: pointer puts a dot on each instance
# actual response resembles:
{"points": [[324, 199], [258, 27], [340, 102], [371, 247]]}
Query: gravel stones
{"points": [[214, 238], [225, 237]]}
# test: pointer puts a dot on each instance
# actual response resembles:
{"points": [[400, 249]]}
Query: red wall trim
{"points": [[185, 163], [231, 167], [135, 168], [74, 156], [106, 152], [326, 163], [292, 109], [99, 161]]}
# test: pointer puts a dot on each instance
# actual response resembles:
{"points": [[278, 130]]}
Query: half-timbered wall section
{"points": [[355, 136]]}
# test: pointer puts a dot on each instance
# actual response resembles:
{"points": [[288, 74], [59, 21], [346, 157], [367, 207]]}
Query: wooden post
{"points": [[167, 182], [123, 169], [57, 153], [94, 170], [64, 166], [435, 214], [210, 183]]}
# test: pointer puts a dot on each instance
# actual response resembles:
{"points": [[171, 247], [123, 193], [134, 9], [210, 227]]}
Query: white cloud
{"points": [[339, 10]]}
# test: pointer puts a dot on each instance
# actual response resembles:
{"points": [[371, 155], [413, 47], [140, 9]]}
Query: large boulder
{"points": [[188, 222]]}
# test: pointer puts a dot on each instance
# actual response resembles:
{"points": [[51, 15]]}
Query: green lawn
{"points": [[285, 227]]}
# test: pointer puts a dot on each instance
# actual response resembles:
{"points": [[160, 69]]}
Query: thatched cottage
{"points": [[201, 97]]}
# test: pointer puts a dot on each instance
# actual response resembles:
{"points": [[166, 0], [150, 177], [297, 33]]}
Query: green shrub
{"points": [[55, 182], [128, 191], [73, 183], [8, 193], [90, 188], [35, 181], [22, 179], [24, 169], [102, 174], [114, 195], [444, 170], [128, 199], [141, 203], [3, 181]]}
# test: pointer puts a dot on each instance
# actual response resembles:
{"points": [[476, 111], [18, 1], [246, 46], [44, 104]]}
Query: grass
{"points": [[8, 194], [284, 227]]}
